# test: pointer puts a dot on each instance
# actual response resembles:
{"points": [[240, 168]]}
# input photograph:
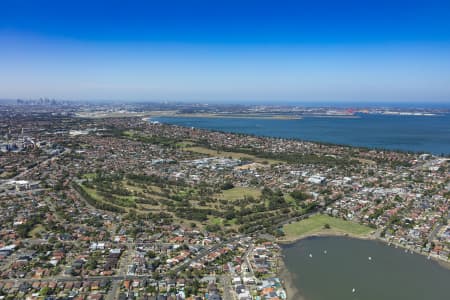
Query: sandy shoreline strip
{"points": [[324, 233], [228, 116], [292, 292]]}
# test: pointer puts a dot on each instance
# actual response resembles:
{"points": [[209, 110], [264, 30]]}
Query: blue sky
{"points": [[226, 51]]}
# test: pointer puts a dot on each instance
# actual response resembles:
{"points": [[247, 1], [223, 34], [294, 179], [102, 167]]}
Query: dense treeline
{"points": [[148, 139], [155, 140], [195, 214], [292, 158], [95, 203], [146, 201], [299, 195], [154, 180]]}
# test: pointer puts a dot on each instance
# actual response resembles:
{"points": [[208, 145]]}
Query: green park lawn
{"points": [[234, 155], [316, 225], [239, 193]]}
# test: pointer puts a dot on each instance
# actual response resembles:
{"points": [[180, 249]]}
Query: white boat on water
{"points": [[310, 255], [353, 290]]}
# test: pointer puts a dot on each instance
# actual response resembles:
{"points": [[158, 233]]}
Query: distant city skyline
{"points": [[233, 51]]}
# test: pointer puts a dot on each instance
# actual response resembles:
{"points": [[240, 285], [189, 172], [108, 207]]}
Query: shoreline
{"points": [[230, 116], [325, 233], [250, 116], [370, 237], [441, 262], [292, 292]]}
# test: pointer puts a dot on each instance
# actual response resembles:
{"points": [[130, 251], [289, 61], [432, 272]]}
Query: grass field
{"points": [[316, 223], [125, 201], [239, 193], [184, 144], [234, 155], [289, 198], [215, 220], [89, 176], [36, 231], [92, 193]]}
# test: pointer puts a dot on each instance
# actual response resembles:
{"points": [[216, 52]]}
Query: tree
{"points": [[45, 291], [212, 227], [227, 186], [151, 289]]}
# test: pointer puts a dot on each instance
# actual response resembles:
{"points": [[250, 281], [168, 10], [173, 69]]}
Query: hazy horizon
{"points": [[331, 104], [256, 51]]}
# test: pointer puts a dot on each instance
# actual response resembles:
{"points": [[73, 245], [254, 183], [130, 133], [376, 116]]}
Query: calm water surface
{"points": [[408, 133], [392, 274]]}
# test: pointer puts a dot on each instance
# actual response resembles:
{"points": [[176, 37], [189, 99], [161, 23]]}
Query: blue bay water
{"points": [[391, 274], [407, 133]]}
